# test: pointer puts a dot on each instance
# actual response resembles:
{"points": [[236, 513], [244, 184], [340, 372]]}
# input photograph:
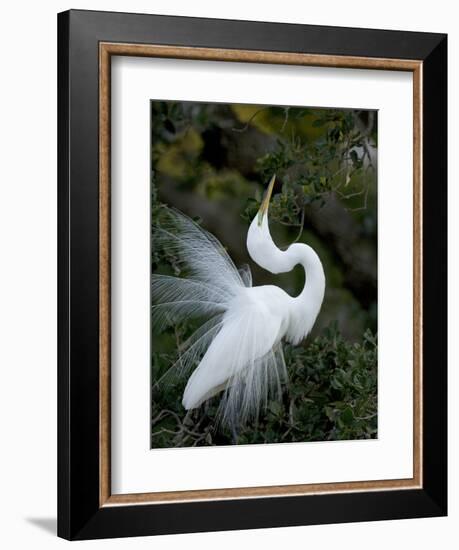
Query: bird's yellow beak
{"points": [[265, 204]]}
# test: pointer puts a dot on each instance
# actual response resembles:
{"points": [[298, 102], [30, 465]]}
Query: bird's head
{"points": [[263, 212], [260, 245]]}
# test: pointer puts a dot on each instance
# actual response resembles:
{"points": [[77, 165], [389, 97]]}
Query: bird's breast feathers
{"points": [[295, 317]]}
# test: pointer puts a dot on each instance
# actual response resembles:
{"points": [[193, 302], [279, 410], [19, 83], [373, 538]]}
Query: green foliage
{"points": [[331, 395], [336, 161]]}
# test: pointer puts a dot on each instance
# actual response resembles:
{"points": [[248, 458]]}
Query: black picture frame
{"points": [[80, 515]]}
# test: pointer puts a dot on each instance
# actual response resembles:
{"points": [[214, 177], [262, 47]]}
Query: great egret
{"points": [[239, 347]]}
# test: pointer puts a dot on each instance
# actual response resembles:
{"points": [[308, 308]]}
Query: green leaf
{"points": [[275, 408], [347, 416]]}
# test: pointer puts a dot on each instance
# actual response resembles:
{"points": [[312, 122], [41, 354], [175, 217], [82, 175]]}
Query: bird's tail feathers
{"points": [[251, 390]]}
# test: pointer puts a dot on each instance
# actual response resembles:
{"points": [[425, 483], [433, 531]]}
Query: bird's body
{"points": [[251, 326], [239, 348]]}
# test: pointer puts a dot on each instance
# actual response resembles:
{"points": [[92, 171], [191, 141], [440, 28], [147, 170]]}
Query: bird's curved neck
{"points": [[263, 251], [304, 255], [306, 306]]}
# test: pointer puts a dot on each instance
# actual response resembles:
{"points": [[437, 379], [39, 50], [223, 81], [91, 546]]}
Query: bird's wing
{"points": [[244, 359]]}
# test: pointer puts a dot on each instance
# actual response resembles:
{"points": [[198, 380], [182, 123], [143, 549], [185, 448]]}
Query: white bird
{"points": [[239, 347]]}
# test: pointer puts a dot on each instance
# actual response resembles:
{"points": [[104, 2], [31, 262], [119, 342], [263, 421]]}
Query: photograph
{"points": [[263, 274]]}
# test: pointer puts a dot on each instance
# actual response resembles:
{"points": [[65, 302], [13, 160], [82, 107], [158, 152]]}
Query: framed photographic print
{"points": [[252, 275]]}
